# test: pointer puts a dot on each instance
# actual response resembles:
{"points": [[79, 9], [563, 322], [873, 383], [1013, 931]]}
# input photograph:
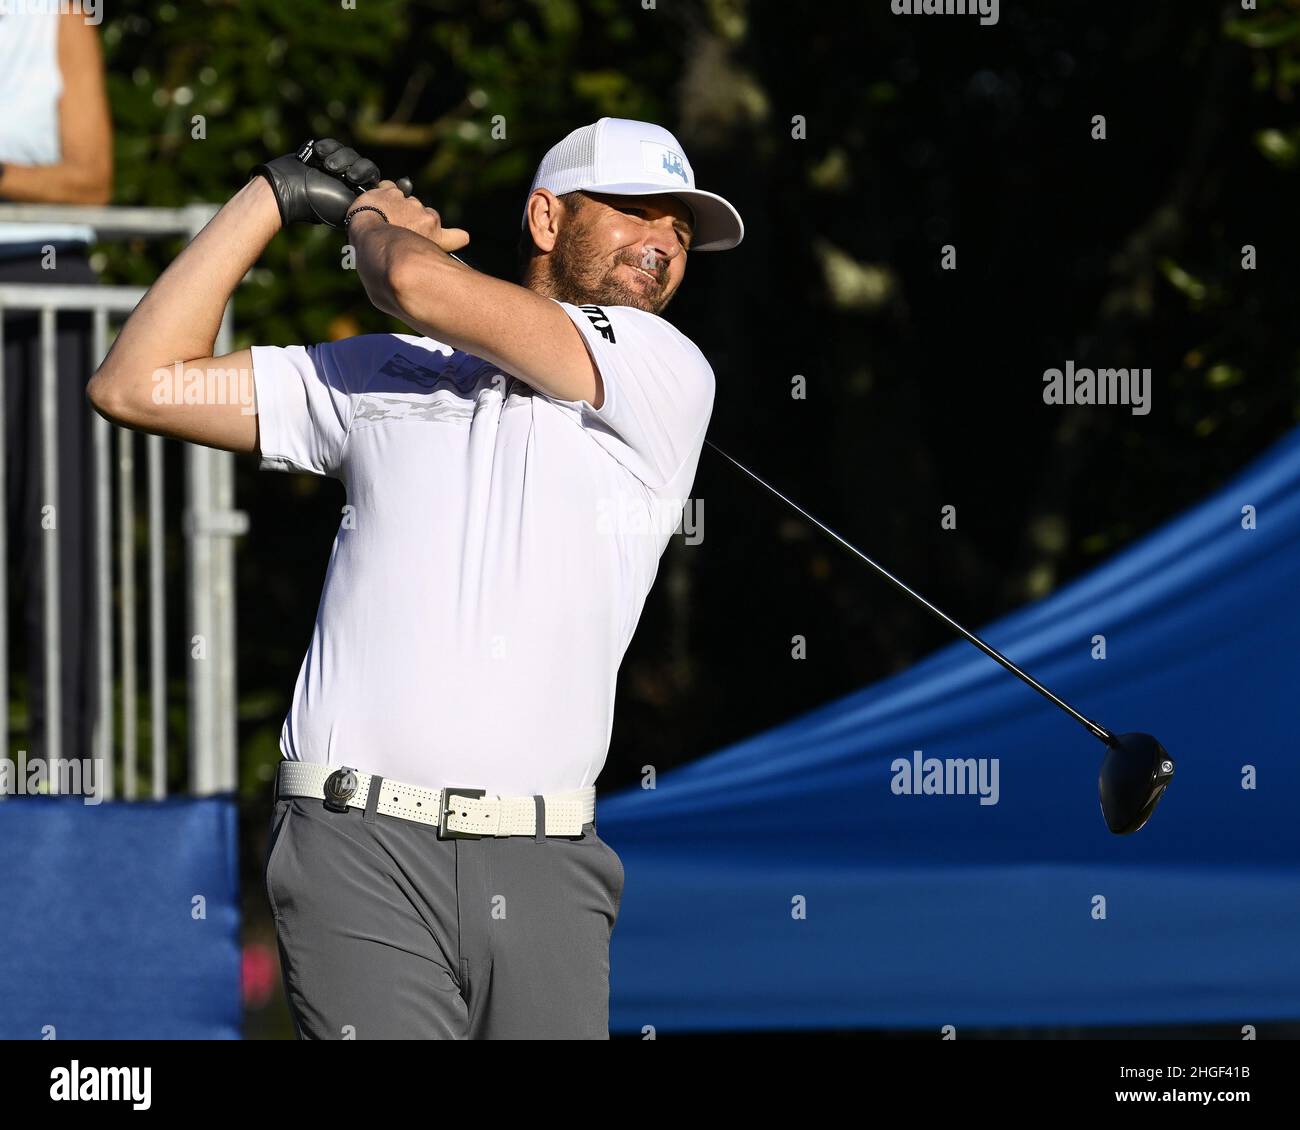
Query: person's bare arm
{"points": [[84, 174], [165, 347], [408, 273]]}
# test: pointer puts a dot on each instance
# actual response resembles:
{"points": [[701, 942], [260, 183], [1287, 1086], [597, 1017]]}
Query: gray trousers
{"points": [[387, 932]]}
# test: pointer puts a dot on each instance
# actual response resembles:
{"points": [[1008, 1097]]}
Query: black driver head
{"points": [[1133, 778]]}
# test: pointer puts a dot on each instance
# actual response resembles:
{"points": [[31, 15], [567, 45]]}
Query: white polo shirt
{"points": [[495, 549]]}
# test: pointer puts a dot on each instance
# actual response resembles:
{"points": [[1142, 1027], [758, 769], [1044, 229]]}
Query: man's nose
{"points": [[658, 251]]}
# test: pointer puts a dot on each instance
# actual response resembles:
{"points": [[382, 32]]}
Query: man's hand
{"points": [[319, 182], [405, 211]]}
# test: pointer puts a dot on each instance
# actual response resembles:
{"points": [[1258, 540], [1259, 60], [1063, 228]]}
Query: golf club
{"points": [[1136, 769]]}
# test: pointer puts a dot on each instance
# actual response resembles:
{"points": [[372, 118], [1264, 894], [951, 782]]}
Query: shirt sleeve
{"points": [[305, 402], [658, 390]]}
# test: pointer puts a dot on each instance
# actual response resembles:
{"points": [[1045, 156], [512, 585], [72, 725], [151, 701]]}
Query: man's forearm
{"points": [[384, 252], [526, 335], [178, 319]]}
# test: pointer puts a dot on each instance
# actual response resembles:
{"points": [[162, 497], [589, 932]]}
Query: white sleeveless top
{"points": [[30, 88]]}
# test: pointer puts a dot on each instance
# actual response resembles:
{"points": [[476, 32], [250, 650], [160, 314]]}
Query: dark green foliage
{"points": [[924, 385]]}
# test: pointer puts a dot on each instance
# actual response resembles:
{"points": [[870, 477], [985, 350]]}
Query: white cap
{"points": [[629, 158]]}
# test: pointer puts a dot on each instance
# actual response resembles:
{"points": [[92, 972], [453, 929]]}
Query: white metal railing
{"points": [[210, 525]]}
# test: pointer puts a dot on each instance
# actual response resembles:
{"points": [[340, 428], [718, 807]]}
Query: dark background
{"points": [[924, 385]]}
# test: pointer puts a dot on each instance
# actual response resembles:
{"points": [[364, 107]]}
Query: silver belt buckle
{"points": [[445, 833], [340, 787]]}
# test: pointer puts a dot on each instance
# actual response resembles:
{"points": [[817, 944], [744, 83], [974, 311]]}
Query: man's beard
{"points": [[576, 276]]}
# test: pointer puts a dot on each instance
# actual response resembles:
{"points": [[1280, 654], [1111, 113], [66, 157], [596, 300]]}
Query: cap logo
{"points": [[663, 161]]}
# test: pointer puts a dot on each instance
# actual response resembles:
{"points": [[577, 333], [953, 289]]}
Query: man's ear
{"points": [[544, 212]]}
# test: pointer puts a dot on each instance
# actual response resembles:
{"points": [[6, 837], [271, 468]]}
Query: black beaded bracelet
{"points": [[364, 208]]}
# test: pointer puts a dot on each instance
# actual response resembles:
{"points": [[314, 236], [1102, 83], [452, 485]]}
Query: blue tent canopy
{"points": [[120, 920], [925, 910]]}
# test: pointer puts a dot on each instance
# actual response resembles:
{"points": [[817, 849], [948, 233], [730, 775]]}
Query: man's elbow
{"points": [[100, 393], [105, 396]]}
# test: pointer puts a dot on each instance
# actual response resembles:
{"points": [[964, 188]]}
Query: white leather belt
{"points": [[457, 813]]}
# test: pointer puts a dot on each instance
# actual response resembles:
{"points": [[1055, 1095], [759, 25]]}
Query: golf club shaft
{"points": [[1096, 730]]}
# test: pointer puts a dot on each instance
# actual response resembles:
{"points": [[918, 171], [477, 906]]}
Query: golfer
{"points": [[434, 869]]}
